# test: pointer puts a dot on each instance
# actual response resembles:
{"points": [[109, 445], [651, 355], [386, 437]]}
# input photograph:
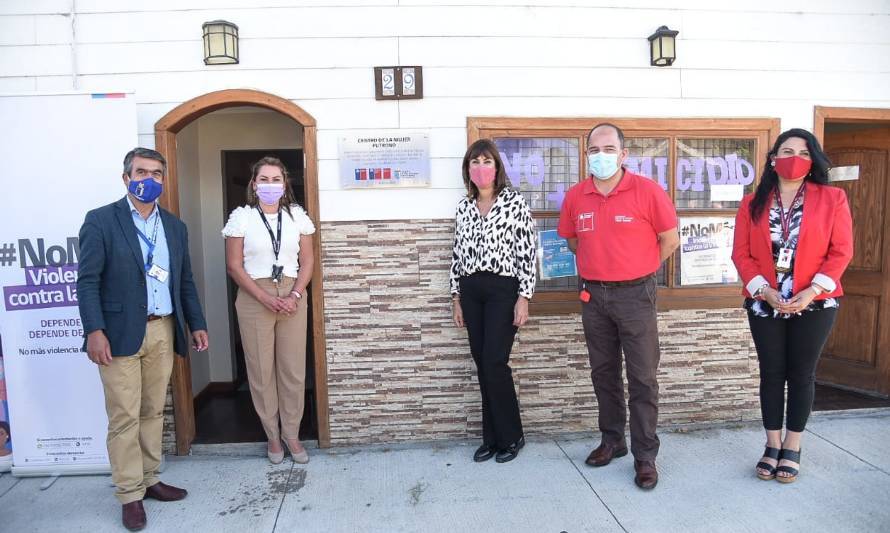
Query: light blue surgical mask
{"points": [[603, 166]]}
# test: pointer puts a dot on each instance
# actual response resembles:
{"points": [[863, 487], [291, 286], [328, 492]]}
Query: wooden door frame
{"points": [[165, 142], [823, 115]]}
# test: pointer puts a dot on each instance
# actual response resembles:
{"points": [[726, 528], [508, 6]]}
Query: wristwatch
{"points": [[759, 292], [296, 293]]}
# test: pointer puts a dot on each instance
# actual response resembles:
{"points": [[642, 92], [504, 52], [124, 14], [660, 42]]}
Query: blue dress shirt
{"points": [[159, 299]]}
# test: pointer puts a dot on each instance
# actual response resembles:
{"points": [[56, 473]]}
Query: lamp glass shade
{"points": [[220, 43], [655, 50], [662, 47], [667, 47]]}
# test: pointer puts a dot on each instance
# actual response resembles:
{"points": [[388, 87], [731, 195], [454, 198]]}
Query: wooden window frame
{"points": [[763, 130]]}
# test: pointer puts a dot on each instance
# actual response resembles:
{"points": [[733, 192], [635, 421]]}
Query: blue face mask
{"points": [[602, 166], [146, 190]]}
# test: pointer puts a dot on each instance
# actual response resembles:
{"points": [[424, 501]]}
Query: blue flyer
{"points": [[556, 260]]}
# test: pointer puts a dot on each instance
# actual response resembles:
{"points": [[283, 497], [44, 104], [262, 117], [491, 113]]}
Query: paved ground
{"points": [[707, 484]]}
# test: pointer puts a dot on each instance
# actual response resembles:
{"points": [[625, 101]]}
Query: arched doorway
{"points": [[166, 130]]}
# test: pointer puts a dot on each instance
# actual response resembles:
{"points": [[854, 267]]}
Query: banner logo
{"points": [[50, 274]]}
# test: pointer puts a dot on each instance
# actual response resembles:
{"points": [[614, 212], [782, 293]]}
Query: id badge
{"points": [[783, 263], [277, 273], [158, 273]]}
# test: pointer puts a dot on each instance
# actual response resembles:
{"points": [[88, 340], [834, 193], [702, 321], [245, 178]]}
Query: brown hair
{"points": [[286, 200], [487, 147]]}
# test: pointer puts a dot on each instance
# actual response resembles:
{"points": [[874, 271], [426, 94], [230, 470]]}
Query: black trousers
{"points": [[487, 301], [788, 350]]}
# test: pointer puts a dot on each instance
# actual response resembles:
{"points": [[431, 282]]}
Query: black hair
{"points": [[609, 125], [769, 180], [145, 153]]}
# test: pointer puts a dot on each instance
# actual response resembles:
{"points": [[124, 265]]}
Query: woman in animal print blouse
{"points": [[492, 279]]}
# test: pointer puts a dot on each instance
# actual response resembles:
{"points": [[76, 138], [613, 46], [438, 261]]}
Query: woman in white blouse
{"points": [[269, 256], [492, 279]]}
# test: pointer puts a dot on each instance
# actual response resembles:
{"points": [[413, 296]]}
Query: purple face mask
{"points": [[270, 193]]}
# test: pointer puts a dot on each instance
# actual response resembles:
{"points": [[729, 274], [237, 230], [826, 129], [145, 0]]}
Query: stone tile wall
{"points": [[399, 370]]}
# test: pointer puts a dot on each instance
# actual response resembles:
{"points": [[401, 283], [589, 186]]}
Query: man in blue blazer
{"points": [[136, 297]]}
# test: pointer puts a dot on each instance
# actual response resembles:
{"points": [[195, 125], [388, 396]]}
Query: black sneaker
{"points": [[510, 452]]}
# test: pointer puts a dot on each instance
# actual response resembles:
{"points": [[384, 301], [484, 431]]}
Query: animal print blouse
{"points": [[785, 280], [502, 243]]}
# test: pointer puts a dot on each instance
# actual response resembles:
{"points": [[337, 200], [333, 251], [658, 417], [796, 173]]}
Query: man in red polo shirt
{"points": [[621, 227]]}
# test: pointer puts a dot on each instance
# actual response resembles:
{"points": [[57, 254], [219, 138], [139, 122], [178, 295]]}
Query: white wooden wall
{"points": [[519, 58]]}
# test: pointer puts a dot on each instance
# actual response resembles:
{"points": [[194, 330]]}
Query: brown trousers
{"points": [[275, 355], [135, 393], [616, 319]]}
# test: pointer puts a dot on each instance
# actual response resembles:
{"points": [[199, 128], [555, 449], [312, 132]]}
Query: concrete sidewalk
{"points": [[706, 483]]}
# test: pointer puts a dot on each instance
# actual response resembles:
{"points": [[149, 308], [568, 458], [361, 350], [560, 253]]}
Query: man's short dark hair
{"points": [[609, 125], [145, 153]]}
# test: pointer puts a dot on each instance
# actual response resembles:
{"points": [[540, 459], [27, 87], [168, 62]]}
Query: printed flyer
{"points": [[706, 251], [554, 257]]}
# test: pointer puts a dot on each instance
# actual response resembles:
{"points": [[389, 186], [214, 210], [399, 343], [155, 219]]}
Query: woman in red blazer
{"points": [[793, 241]]}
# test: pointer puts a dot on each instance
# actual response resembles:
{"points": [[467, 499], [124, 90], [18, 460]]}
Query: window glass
{"points": [[560, 283], [708, 174], [648, 156], [714, 173], [541, 168]]}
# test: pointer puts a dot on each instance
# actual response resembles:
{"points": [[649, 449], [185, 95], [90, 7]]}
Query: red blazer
{"points": [[825, 245]]}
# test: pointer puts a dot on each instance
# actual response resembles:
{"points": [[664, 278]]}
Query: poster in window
{"points": [[554, 256], [706, 251]]}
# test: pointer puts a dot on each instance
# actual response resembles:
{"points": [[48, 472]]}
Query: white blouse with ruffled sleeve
{"points": [[245, 221]]}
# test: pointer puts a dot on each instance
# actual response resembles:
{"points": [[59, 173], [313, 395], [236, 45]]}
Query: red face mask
{"points": [[482, 176], [793, 168]]}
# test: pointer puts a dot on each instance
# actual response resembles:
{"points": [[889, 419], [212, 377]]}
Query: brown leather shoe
{"points": [[647, 474], [604, 453], [165, 493], [133, 515]]}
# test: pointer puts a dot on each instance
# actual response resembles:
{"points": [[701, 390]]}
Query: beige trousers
{"points": [[135, 393], [275, 355]]}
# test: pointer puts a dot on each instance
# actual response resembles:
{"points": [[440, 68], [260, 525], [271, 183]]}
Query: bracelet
{"points": [[817, 289], [296, 293]]}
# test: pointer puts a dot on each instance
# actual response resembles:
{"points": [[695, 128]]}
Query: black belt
{"points": [[626, 283]]}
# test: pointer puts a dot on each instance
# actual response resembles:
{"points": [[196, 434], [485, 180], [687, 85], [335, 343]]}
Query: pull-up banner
{"points": [[62, 155]]}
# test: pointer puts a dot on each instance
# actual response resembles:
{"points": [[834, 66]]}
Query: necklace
{"points": [[484, 206]]}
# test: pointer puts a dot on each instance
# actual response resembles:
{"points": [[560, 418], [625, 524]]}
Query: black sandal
{"points": [[789, 455], [772, 453]]}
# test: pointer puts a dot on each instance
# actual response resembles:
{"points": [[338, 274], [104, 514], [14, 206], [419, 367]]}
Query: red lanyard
{"points": [[786, 220]]}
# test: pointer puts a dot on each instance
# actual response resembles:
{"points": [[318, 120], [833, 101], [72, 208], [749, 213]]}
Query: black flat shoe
{"points": [[484, 453], [510, 452]]}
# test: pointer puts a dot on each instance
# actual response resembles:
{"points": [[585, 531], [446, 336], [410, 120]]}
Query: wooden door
{"points": [[857, 355]]}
